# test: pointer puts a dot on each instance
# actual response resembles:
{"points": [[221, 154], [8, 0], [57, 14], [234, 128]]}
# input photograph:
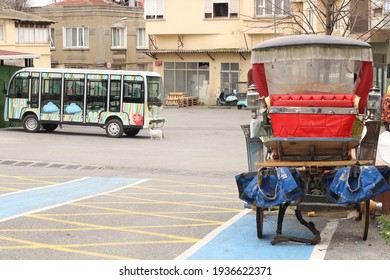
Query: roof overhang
{"points": [[153, 53], [12, 55]]}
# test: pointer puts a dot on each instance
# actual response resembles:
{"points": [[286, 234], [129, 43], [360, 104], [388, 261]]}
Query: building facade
{"points": [[203, 46], [97, 34], [24, 39]]}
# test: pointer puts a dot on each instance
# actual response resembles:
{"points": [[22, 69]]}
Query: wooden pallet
{"points": [[188, 101], [173, 98]]}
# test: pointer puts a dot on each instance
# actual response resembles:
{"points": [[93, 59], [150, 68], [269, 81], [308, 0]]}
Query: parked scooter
{"points": [[241, 94], [227, 99]]}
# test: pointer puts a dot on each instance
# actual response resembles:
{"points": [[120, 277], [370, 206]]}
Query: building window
{"points": [[134, 3], [193, 78], [154, 9], [380, 72], [230, 73], [221, 8], [336, 21], [310, 21], [2, 33], [272, 7], [76, 37], [119, 38], [31, 33], [142, 42], [52, 38]]}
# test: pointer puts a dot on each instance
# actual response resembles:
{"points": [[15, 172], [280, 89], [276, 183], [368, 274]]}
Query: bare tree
{"points": [[14, 4], [326, 16]]}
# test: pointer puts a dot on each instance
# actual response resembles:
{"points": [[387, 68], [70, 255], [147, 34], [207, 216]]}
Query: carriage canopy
{"points": [[313, 64]]}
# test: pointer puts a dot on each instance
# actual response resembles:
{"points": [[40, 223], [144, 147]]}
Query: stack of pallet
{"points": [[188, 101], [173, 98], [180, 99]]}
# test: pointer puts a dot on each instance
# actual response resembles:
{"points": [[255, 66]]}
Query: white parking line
{"points": [[319, 250]]}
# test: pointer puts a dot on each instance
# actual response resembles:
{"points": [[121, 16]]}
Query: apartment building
{"points": [[200, 47], [24, 39], [203, 46], [97, 34], [379, 40]]}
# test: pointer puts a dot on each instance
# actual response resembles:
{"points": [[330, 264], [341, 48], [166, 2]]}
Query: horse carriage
{"points": [[309, 112]]}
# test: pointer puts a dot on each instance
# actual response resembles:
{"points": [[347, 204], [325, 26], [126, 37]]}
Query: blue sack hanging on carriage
{"points": [[270, 186], [355, 184]]}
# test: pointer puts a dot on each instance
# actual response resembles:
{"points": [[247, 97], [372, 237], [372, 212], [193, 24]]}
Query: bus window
{"points": [[19, 86], [115, 95], [154, 91], [74, 91], [96, 96], [133, 89]]}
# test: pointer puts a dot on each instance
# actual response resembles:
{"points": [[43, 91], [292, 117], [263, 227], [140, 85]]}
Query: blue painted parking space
{"points": [[37, 199], [239, 242]]}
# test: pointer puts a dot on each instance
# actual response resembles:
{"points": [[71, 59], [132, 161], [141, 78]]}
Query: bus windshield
{"points": [[155, 96]]}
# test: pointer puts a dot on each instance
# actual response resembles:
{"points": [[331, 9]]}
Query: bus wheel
{"points": [[30, 123], [49, 127], [132, 132], [114, 128]]}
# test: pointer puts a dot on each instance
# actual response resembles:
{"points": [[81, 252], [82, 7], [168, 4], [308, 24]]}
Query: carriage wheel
{"points": [[259, 221], [365, 212]]}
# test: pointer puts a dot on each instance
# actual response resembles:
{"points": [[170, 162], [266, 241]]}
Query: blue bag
{"points": [[270, 186], [355, 184]]}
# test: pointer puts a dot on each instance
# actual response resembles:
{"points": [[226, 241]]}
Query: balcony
{"points": [[380, 14]]}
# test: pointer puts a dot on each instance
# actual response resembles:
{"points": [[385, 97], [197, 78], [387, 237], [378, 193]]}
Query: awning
{"points": [[209, 52], [11, 55]]}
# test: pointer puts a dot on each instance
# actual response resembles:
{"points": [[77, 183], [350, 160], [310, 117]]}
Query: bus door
{"points": [[115, 93], [96, 98], [18, 95], [73, 98], [133, 99], [34, 97], [51, 96]]}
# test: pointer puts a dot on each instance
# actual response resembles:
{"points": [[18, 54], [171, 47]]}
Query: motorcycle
{"points": [[227, 99], [241, 94]]}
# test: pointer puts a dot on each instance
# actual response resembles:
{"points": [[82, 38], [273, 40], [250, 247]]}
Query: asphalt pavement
{"points": [[167, 199]]}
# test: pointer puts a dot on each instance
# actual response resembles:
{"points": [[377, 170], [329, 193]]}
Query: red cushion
{"points": [[312, 100], [312, 125]]}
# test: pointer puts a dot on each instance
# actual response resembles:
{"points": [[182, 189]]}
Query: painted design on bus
{"points": [[72, 113], [74, 76], [50, 112], [105, 115], [133, 78], [115, 77], [136, 113], [97, 77], [52, 75], [33, 110], [50, 116], [16, 107]]}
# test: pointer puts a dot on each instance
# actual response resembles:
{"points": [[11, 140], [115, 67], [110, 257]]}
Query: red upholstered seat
{"points": [[312, 125], [312, 100]]}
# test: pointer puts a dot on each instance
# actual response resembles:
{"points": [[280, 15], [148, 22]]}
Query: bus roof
{"points": [[91, 71], [306, 40]]}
